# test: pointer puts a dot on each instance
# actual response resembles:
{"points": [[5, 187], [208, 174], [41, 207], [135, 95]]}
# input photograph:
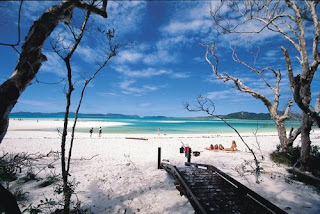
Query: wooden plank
{"points": [[211, 191]]}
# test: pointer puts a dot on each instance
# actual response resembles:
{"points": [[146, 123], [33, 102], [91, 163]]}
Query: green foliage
{"points": [[8, 168], [76, 210], [291, 158], [315, 160], [287, 158], [46, 205], [248, 116], [49, 205], [71, 187]]}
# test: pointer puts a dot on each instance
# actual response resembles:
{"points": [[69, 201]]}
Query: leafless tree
{"points": [[31, 57], [60, 50], [273, 107], [66, 59], [290, 20], [255, 132], [204, 104]]}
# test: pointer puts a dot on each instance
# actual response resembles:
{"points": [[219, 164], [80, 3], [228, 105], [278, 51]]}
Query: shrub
{"points": [[51, 179], [8, 168], [291, 158], [287, 158], [19, 194], [30, 176]]}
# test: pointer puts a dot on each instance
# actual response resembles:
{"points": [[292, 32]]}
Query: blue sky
{"points": [[163, 67]]}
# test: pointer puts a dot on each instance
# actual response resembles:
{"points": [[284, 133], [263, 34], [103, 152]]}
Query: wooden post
{"points": [[189, 155], [159, 157]]}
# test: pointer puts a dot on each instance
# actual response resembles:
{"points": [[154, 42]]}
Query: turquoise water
{"points": [[180, 125], [191, 126]]}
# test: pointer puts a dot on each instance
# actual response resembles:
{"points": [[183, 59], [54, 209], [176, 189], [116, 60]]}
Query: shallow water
{"points": [[180, 125]]}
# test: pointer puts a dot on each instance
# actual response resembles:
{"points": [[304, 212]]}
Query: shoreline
{"points": [[131, 127], [118, 175]]}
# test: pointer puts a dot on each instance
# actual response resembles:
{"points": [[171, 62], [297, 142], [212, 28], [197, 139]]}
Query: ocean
{"points": [[191, 126], [179, 125]]}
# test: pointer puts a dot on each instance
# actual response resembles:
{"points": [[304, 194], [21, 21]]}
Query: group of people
{"points": [[220, 147], [100, 132]]}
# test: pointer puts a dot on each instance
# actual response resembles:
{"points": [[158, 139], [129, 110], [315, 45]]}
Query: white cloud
{"points": [[194, 26], [144, 105], [129, 56], [176, 75], [160, 57], [62, 38], [167, 42], [87, 54], [271, 53], [128, 88], [106, 94], [148, 72], [35, 103], [54, 64], [124, 16], [226, 94], [143, 53], [33, 9], [200, 59]]}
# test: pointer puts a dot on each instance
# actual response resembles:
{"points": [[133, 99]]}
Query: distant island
{"points": [[237, 115]]}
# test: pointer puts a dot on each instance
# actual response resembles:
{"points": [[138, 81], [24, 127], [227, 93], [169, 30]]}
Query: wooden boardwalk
{"points": [[209, 190]]}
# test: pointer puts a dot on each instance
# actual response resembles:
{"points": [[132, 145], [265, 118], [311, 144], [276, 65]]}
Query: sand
{"points": [[120, 175]]}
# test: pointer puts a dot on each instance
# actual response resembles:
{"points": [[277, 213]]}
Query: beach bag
{"points": [[181, 149]]}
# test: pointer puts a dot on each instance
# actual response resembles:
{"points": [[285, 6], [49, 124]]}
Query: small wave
{"points": [[168, 121]]}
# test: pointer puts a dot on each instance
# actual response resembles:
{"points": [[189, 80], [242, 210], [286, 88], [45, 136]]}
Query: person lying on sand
{"points": [[233, 147], [220, 147], [215, 147]]}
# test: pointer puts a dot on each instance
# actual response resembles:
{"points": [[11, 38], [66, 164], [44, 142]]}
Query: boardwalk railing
{"points": [[238, 192]]}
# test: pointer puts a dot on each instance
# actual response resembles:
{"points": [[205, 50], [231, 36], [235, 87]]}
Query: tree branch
{"points": [[19, 33], [237, 82], [206, 105], [315, 53], [90, 7], [289, 67]]}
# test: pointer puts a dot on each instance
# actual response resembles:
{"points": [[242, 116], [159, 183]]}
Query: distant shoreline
{"points": [[146, 125], [231, 116]]}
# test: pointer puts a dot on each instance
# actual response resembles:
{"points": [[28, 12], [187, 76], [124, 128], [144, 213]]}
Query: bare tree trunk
{"points": [[279, 120], [66, 190], [294, 133], [31, 58], [282, 133], [305, 141], [302, 96]]}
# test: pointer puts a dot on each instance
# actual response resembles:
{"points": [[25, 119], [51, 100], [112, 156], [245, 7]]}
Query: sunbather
{"points": [[233, 147], [215, 147]]}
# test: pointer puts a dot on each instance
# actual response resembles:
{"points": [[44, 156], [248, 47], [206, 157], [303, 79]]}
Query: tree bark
{"points": [[282, 133], [30, 60], [66, 188], [31, 57], [279, 120], [305, 142]]}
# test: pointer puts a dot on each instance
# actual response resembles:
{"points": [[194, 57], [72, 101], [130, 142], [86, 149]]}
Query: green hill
{"points": [[248, 116]]}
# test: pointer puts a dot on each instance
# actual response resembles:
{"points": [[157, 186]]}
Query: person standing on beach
{"points": [[100, 132], [158, 131], [91, 131]]}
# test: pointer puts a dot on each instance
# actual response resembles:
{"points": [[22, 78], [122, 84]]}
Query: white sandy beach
{"points": [[119, 175]]}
